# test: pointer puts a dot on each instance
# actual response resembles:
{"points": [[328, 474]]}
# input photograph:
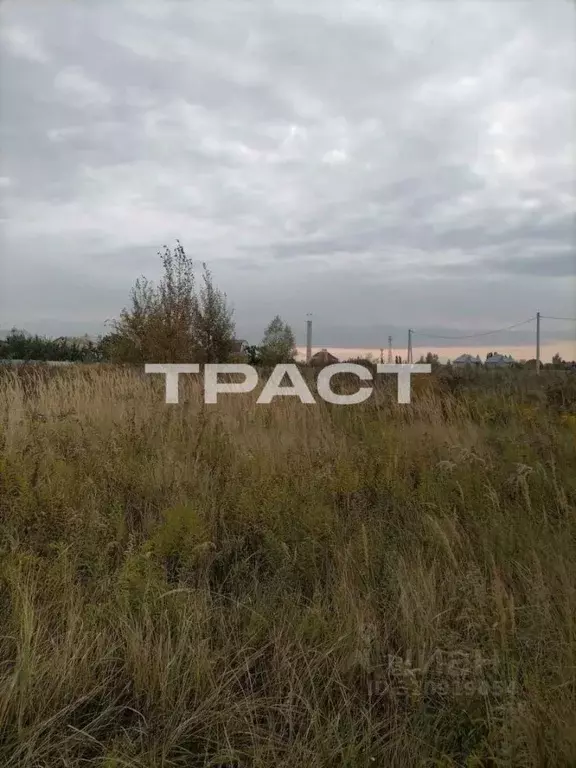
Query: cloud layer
{"points": [[382, 165]]}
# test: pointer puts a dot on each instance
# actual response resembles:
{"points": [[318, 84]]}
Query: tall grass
{"points": [[286, 585]]}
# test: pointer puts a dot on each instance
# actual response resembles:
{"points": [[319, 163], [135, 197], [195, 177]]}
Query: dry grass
{"points": [[286, 585]]}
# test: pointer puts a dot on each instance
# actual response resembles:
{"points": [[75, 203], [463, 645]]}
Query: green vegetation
{"points": [[278, 344], [21, 346], [286, 585]]}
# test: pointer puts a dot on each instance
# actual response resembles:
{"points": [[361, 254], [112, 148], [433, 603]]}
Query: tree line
{"points": [[19, 345], [178, 320]]}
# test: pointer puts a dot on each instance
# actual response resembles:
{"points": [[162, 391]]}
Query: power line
{"points": [[567, 319], [476, 335]]}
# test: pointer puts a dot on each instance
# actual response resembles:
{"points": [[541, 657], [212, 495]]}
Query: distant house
{"points": [[323, 358], [466, 360], [496, 360], [239, 347]]}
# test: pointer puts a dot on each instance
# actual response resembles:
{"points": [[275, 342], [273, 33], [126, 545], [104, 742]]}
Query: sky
{"points": [[381, 165]]}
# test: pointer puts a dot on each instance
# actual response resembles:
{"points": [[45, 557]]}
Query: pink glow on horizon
{"points": [[566, 349]]}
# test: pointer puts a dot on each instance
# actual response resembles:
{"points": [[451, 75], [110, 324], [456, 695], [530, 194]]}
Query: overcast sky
{"points": [[383, 165]]}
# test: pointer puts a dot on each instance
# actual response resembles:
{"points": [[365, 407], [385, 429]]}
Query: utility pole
{"points": [[409, 351], [308, 338], [381, 355], [537, 342], [389, 349]]}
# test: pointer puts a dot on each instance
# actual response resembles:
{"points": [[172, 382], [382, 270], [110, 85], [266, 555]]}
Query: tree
{"points": [[158, 327], [254, 354], [430, 358], [278, 344], [16, 345], [213, 323], [557, 360], [170, 323]]}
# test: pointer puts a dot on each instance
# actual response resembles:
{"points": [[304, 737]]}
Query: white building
{"points": [[499, 361], [465, 360]]}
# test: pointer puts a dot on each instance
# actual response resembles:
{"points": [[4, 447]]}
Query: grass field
{"points": [[287, 585]]}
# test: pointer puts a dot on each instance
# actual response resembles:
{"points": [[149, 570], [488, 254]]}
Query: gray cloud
{"points": [[407, 165]]}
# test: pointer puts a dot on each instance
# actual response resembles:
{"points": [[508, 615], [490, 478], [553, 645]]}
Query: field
{"points": [[287, 585]]}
